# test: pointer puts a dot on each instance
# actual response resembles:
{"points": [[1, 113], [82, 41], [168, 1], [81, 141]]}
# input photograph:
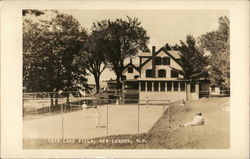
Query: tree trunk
{"points": [[56, 99], [97, 83], [51, 100], [117, 82]]}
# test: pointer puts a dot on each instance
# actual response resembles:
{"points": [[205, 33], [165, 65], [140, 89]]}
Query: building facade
{"points": [[156, 79]]}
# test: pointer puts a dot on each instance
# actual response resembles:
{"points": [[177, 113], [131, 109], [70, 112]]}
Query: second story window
{"points": [[149, 73], [130, 69], [136, 76], [174, 74], [157, 61], [166, 61], [161, 73]]}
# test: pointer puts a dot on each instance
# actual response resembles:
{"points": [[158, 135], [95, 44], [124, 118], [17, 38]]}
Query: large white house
{"points": [[156, 78]]}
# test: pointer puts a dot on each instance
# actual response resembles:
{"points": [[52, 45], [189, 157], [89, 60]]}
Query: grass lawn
{"points": [[215, 134]]}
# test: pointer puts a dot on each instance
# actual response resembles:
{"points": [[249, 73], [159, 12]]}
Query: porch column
{"points": [[197, 90], [172, 84], [146, 84], [179, 86], [166, 86], [139, 85], [159, 86]]}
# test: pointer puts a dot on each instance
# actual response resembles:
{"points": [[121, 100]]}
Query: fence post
{"points": [[107, 120], [79, 102], [71, 107], [49, 109], [23, 106], [168, 115], [62, 107], [36, 111], [138, 118]]}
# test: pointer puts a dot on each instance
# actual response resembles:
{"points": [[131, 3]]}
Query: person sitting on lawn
{"points": [[197, 120]]}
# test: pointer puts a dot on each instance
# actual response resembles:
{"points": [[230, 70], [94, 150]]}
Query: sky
{"points": [[163, 26]]}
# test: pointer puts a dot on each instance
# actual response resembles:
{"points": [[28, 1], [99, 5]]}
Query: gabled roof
{"points": [[167, 52], [175, 54], [134, 66]]}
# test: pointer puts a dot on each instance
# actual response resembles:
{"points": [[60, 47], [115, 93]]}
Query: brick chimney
{"points": [[153, 50], [131, 60]]}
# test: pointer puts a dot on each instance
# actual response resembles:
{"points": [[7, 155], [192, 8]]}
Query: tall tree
{"points": [[193, 62], [50, 48], [217, 43], [93, 58], [120, 39]]}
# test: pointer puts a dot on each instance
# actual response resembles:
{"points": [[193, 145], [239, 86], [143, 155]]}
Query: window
{"points": [[213, 88], [192, 88], [176, 86], [157, 61], [169, 86], [156, 86], [149, 73], [174, 74], [161, 73], [149, 86], [162, 86], [143, 86], [124, 77], [136, 76], [166, 61], [182, 86], [130, 69]]}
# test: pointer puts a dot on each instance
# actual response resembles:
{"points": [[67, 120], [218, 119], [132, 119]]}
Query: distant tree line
{"points": [[208, 56]]}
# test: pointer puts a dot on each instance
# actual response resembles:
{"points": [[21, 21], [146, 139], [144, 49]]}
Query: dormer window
{"points": [[166, 61], [130, 70]]}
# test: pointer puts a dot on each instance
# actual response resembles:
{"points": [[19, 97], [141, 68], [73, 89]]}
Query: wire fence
{"points": [[86, 118]]}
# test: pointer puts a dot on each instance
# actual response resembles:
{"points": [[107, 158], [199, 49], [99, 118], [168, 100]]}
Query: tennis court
{"points": [[114, 120]]}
